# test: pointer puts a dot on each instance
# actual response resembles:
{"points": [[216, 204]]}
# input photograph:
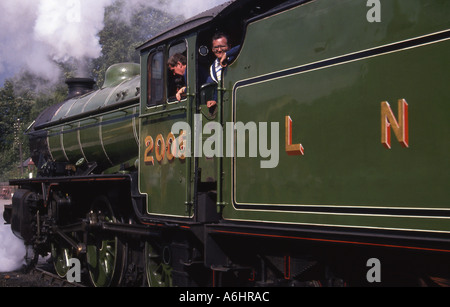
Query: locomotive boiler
{"points": [[326, 149], [91, 127]]}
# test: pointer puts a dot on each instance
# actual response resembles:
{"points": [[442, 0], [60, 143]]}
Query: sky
{"points": [[33, 32]]}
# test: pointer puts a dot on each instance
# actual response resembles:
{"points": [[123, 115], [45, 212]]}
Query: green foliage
{"points": [[22, 99], [125, 29], [14, 111]]}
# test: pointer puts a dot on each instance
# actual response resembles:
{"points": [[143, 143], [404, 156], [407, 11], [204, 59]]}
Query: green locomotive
{"points": [[325, 148]]}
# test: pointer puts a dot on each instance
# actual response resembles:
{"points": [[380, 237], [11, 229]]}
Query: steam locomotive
{"points": [[326, 149]]}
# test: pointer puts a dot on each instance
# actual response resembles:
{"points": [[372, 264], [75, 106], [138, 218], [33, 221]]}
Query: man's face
{"points": [[178, 69], [219, 46]]}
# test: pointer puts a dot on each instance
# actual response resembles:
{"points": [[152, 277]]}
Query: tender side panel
{"points": [[340, 95]]}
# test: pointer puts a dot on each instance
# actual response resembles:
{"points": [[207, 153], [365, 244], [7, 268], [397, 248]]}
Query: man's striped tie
{"points": [[218, 71]]}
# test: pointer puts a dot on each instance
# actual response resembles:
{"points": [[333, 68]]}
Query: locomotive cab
{"points": [[172, 138]]}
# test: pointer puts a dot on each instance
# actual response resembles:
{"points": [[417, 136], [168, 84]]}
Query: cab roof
{"points": [[187, 25], [241, 9]]}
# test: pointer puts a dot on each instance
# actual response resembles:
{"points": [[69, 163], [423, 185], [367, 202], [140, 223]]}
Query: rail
{"points": [[53, 280]]}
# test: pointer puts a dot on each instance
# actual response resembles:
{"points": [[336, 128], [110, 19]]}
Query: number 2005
{"points": [[171, 147]]}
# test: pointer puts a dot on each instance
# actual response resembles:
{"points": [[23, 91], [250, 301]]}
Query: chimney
{"points": [[79, 86]]}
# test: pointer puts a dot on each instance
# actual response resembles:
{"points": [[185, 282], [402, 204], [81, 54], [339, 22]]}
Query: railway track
{"points": [[51, 279]]}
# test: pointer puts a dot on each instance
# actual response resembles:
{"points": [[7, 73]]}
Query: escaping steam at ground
{"points": [[12, 249]]}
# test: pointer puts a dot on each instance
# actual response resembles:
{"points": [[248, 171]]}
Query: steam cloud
{"points": [[12, 249], [36, 33]]}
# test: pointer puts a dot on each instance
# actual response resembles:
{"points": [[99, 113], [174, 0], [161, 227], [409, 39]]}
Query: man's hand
{"points": [[211, 103], [224, 60], [180, 92]]}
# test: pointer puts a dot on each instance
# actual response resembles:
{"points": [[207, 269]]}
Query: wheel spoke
{"points": [[159, 273], [61, 256], [104, 252]]}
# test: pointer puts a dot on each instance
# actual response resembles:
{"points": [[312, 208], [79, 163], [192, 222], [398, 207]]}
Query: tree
{"points": [[122, 35], [7, 104], [14, 112]]}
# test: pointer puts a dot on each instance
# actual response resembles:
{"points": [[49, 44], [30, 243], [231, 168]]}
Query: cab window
{"points": [[176, 81], [155, 79]]}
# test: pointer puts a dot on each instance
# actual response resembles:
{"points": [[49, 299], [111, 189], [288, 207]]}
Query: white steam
{"points": [[12, 249], [34, 33], [69, 28]]}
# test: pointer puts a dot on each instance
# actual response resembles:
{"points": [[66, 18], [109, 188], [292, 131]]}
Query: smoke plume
{"points": [[35, 34]]}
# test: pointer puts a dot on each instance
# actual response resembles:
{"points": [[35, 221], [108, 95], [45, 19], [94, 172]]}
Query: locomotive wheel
{"points": [[105, 253], [157, 266], [61, 256]]}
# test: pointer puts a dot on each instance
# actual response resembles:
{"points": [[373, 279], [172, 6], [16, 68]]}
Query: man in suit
{"points": [[224, 54]]}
